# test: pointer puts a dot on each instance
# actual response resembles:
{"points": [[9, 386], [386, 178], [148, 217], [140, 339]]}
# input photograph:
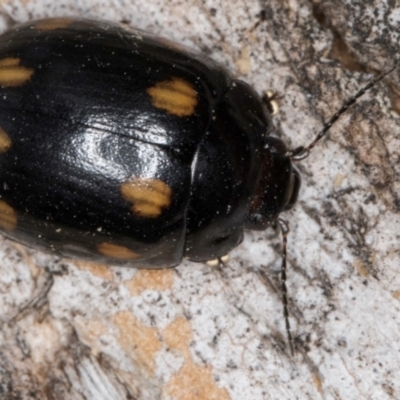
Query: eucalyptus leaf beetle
{"points": [[120, 147]]}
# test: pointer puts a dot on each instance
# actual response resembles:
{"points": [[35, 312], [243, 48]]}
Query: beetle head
{"points": [[278, 186]]}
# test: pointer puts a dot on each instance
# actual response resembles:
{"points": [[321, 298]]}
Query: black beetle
{"points": [[120, 147]]}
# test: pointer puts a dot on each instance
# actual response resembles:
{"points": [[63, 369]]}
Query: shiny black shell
{"points": [[120, 147]]}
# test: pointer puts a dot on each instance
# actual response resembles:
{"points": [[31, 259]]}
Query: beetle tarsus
{"points": [[270, 99], [221, 263], [218, 262]]}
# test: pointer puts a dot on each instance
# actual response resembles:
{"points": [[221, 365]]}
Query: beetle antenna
{"points": [[284, 226], [300, 153]]}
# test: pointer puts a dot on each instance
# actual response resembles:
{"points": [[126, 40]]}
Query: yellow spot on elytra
{"points": [[9, 62], [176, 96], [100, 270], [13, 74], [8, 217], [191, 381], [146, 279], [116, 251], [5, 141], [148, 196], [53, 23], [139, 341]]}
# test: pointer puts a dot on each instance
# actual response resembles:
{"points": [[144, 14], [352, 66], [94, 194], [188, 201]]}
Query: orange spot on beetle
{"points": [[176, 96], [5, 141], [116, 251], [149, 196], [13, 74], [8, 216]]}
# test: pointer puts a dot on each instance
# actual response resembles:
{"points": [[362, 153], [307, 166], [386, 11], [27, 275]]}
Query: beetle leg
{"points": [[270, 98], [220, 261]]}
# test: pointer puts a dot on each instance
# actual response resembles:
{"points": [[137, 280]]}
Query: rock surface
{"points": [[72, 330]]}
